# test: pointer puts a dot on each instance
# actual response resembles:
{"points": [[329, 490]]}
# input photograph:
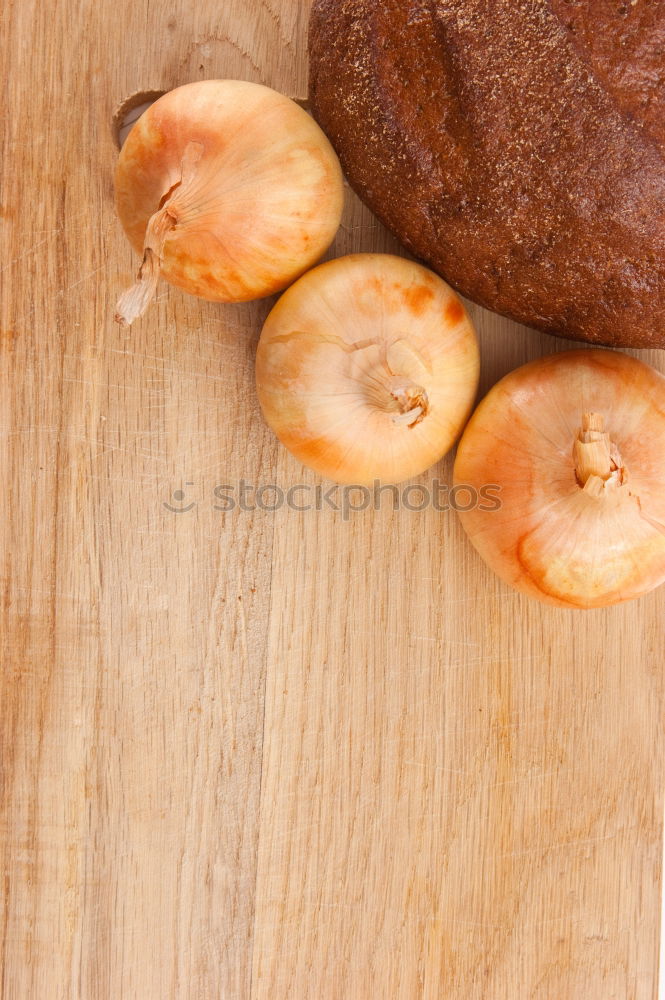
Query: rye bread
{"points": [[516, 146]]}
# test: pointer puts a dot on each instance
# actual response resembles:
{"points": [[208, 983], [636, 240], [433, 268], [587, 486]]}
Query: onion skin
{"points": [[264, 195], [559, 536], [367, 369]]}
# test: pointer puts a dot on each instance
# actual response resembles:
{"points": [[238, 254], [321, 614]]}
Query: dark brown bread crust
{"points": [[517, 146]]}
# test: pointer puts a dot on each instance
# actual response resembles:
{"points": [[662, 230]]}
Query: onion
{"points": [[227, 189], [576, 443], [367, 368]]}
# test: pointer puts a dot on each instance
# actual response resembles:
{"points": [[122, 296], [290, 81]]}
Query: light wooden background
{"points": [[258, 755]]}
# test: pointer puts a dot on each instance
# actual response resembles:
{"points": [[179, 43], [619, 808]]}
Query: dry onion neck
{"points": [[598, 465], [398, 395], [406, 402], [134, 302]]}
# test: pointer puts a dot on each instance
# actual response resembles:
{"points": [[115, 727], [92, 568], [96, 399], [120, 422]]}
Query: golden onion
{"points": [[367, 368], [576, 444], [228, 190]]}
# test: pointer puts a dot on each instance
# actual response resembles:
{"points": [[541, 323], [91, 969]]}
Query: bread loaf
{"points": [[516, 146]]}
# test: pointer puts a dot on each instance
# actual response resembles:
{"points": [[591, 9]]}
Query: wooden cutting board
{"points": [[257, 754]]}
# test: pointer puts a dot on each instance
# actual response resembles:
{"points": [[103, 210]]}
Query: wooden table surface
{"points": [[258, 754]]}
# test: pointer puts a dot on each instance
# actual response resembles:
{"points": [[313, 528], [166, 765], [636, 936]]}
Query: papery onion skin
{"points": [[266, 197], [367, 369], [552, 538]]}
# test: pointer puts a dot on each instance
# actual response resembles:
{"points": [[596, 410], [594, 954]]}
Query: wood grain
{"points": [[254, 754]]}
